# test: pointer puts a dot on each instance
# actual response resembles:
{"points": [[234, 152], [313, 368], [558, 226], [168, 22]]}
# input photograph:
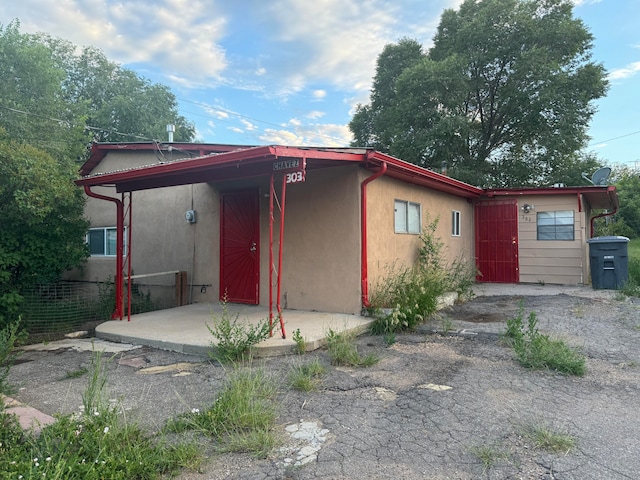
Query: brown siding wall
{"points": [[545, 261]]}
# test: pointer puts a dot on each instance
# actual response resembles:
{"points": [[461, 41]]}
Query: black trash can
{"points": [[609, 262]]}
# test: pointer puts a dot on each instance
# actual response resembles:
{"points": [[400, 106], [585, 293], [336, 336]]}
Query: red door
{"points": [[497, 241], [239, 247]]}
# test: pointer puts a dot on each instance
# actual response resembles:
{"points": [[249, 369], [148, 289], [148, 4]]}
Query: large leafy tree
{"points": [[33, 109], [504, 96], [53, 102], [120, 105]]}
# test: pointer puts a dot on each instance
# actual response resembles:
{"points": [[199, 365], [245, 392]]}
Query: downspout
{"points": [[364, 278], [615, 210], [117, 313]]}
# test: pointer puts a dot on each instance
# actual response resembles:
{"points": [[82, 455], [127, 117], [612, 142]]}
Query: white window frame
{"points": [[553, 223], [405, 217], [106, 240], [455, 223]]}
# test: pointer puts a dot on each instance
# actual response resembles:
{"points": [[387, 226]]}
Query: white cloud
{"points": [[315, 114], [625, 72], [579, 3], [261, 71], [181, 37], [319, 94], [297, 133], [248, 125], [338, 41]]}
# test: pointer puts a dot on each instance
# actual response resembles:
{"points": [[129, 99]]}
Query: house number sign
{"points": [[294, 169]]}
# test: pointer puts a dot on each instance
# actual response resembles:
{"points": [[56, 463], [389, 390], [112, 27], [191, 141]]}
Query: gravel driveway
{"points": [[435, 406]]}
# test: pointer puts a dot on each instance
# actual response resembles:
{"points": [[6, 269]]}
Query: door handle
{"points": [[253, 247]]}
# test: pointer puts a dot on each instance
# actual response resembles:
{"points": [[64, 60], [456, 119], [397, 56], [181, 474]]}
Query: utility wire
{"points": [[253, 119], [69, 124], [614, 138]]}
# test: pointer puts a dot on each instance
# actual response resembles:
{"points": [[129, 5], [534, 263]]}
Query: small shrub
{"points": [[537, 351], [306, 377], [344, 352], [301, 346], [234, 339]]}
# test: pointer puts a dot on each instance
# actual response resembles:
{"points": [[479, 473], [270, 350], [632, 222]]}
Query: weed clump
{"points": [[10, 337], [242, 417], [301, 346], [233, 338], [307, 377], [549, 439], [344, 352], [408, 295], [537, 351]]}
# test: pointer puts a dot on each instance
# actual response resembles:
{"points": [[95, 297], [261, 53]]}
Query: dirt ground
{"points": [[438, 398]]}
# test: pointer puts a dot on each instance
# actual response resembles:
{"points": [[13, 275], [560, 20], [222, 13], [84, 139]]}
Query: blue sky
{"points": [[292, 71]]}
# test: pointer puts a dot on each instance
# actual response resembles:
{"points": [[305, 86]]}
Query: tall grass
{"points": [[96, 444], [242, 417], [632, 287]]}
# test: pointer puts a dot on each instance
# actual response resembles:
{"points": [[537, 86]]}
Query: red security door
{"points": [[497, 241], [239, 247]]}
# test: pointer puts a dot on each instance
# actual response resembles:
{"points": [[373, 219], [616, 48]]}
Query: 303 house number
{"points": [[294, 177]]}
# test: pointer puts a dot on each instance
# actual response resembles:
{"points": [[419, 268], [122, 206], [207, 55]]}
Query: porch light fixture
{"points": [[526, 208]]}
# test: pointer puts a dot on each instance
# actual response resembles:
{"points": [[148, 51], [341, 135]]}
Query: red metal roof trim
{"points": [[421, 176], [187, 170], [590, 192]]}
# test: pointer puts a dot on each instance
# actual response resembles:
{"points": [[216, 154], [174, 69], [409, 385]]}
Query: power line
{"points": [[69, 124], [614, 138], [253, 119]]}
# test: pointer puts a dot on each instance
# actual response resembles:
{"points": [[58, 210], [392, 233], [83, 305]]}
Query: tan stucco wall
{"points": [[321, 250], [321, 266], [387, 248], [556, 262], [162, 240]]}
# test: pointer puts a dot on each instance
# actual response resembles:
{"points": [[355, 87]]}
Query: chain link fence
{"points": [[67, 306]]}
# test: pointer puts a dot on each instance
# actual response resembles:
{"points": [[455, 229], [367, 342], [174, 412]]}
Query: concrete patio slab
{"points": [[184, 329]]}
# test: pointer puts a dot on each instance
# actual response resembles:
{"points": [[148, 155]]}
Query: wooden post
{"points": [[181, 289]]}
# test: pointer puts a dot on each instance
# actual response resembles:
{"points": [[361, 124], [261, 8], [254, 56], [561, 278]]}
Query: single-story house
{"points": [[314, 228]]}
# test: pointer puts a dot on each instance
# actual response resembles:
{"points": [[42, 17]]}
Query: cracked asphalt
{"points": [[440, 401]]}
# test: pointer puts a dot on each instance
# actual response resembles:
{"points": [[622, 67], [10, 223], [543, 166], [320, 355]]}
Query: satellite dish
{"points": [[601, 176]]}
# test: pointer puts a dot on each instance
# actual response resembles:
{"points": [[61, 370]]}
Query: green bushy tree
{"points": [[41, 226], [504, 96]]}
